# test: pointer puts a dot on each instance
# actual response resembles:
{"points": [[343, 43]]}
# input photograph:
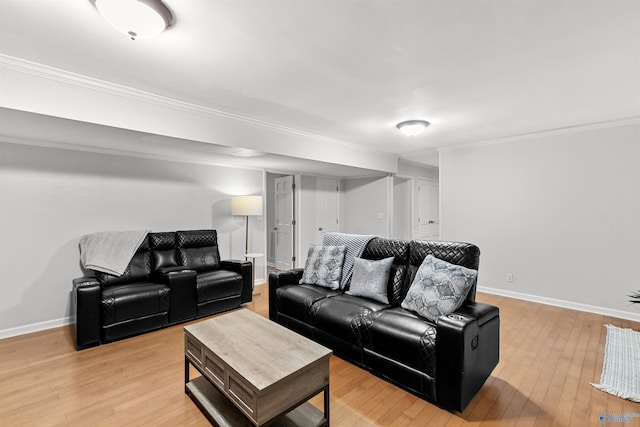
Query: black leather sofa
{"points": [[173, 277], [445, 362]]}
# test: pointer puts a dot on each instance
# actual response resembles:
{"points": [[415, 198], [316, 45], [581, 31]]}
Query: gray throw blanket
{"points": [[110, 251], [355, 244]]}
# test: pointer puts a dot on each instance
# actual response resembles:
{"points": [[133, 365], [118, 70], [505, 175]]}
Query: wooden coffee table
{"points": [[255, 371]]}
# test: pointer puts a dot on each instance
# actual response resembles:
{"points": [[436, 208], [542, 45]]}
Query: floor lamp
{"points": [[247, 206]]}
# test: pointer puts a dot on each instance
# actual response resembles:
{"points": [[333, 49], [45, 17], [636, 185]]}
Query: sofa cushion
{"points": [[324, 266], [122, 302], [139, 269], [439, 288], [163, 250], [404, 337], [164, 259], [198, 249], [344, 316], [370, 279], [200, 259], [211, 285], [296, 300]]}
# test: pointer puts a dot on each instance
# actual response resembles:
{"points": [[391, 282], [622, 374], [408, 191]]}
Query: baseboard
{"points": [[41, 326], [564, 304], [34, 327]]}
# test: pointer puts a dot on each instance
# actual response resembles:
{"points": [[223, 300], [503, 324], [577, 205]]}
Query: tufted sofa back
{"points": [[379, 248], [464, 254], [198, 249], [138, 269], [194, 249]]}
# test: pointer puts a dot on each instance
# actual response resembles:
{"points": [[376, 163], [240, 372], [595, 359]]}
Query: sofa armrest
{"points": [[86, 306], [245, 269], [467, 350], [182, 286], [281, 278]]}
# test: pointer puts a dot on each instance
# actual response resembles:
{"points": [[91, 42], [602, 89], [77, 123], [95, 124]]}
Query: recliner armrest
{"points": [[467, 349], [165, 270], [479, 311], [86, 300], [278, 279], [245, 269], [182, 286]]}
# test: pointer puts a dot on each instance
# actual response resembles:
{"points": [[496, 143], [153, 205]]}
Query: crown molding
{"points": [[553, 132], [40, 71]]}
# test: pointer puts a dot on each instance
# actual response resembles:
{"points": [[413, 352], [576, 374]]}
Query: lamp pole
{"points": [[246, 234]]}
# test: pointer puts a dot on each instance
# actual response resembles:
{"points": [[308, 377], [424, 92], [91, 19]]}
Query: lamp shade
{"points": [[246, 205]]}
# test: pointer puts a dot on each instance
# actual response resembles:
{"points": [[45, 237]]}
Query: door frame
{"points": [[294, 229], [416, 230], [411, 190]]}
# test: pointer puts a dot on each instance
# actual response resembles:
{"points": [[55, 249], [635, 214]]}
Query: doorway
{"points": [[327, 207], [402, 208], [428, 209], [281, 220]]}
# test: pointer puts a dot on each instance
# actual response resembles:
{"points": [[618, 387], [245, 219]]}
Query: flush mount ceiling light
{"points": [[138, 19], [412, 127]]}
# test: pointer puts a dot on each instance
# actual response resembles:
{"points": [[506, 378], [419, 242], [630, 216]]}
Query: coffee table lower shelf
{"points": [[218, 409]]}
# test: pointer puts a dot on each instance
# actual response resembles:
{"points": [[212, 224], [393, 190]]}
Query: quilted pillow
{"points": [[439, 288], [370, 279], [324, 266]]}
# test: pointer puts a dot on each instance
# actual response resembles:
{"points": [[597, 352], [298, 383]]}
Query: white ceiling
{"points": [[351, 69]]}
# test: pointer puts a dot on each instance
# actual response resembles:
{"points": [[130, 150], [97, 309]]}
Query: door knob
{"points": [[320, 229]]}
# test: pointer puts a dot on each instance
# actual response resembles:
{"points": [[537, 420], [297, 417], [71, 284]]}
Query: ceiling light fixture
{"points": [[412, 127], [138, 19]]}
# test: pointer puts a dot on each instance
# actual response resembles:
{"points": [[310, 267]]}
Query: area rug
{"points": [[621, 369]]}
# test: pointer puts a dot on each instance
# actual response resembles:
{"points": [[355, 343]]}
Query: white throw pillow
{"points": [[370, 278]]}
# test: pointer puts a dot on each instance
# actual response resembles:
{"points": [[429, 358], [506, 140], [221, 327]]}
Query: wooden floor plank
{"points": [[549, 356]]}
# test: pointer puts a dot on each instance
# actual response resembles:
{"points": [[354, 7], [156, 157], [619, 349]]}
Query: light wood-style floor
{"points": [[549, 356]]}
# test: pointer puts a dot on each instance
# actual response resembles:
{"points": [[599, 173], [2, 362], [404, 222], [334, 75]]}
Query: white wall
{"points": [[49, 198], [560, 211], [365, 206], [408, 168]]}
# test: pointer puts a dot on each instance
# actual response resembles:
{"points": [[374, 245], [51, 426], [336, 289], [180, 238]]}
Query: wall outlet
{"points": [[509, 277]]}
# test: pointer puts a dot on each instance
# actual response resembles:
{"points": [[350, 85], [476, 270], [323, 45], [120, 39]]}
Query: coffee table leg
{"points": [[186, 373], [326, 404]]}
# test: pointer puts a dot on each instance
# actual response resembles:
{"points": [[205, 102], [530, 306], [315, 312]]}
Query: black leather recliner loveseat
{"points": [[445, 362], [173, 277]]}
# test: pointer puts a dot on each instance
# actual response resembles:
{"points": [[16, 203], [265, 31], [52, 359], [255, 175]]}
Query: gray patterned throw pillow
{"points": [[324, 266], [370, 279], [439, 288]]}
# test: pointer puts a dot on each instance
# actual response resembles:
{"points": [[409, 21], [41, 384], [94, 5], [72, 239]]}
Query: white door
{"points": [[327, 207], [428, 203], [285, 221], [401, 226]]}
